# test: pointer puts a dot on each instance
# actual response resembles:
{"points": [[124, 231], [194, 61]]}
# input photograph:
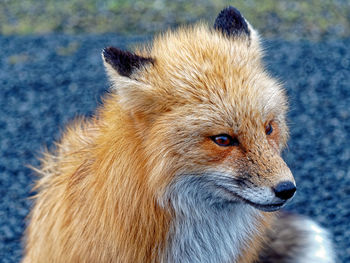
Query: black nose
{"points": [[285, 190]]}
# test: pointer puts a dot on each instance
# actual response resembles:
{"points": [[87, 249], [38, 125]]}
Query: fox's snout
{"points": [[259, 177]]}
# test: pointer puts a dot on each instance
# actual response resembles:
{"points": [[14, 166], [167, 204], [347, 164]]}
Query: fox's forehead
{"points": [[198, 66], [185, 52]]}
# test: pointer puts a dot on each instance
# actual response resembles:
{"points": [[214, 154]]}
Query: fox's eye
{"points": [[269, 129], [225, 140]]}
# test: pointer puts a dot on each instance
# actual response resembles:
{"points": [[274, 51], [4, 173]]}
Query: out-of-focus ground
{"points": [[313, 19]]}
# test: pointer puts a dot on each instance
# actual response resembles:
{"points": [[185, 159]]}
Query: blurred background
{"points": [[313, 19], [51, 71]]}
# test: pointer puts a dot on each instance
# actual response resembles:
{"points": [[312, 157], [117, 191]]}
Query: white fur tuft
{"points": [[206, 228], [296, 239]]}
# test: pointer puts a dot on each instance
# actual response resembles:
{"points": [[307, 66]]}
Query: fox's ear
{"points": [[135, 96], [231, 23], [123, 63]]}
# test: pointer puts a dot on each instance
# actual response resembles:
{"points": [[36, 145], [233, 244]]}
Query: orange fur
{"points": [[82, 210], [98, 197]]}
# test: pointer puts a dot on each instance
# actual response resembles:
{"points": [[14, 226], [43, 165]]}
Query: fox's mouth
{"points": [[263, 207]]}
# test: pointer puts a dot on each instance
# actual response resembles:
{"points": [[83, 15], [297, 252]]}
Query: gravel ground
{"points": [[45, 81]]}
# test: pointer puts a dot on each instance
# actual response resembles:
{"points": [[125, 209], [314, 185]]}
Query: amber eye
{"points": [[225, 140], [269, 129]]}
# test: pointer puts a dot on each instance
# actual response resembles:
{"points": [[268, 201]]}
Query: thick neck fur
{"points": [[205, 227]]}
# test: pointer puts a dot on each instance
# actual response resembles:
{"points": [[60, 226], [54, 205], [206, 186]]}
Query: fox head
{"points": [[207, 113]]}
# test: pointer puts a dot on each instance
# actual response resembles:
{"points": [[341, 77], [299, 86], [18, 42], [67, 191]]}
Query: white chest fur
{"points": [[205, 227]]}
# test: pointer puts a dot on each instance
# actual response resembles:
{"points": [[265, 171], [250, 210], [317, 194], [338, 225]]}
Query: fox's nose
{"points": [[285, 190]]}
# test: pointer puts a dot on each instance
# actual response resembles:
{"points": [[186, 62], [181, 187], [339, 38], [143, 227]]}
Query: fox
{"points": [[181, 162]]}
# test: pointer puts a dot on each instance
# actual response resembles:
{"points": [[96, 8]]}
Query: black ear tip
{"points": [[231, 22], [124, 62], [230, 11], [110, 53]]}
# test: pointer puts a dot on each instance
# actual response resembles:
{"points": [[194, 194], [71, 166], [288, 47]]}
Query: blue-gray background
{"points": [[47, 80]]}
